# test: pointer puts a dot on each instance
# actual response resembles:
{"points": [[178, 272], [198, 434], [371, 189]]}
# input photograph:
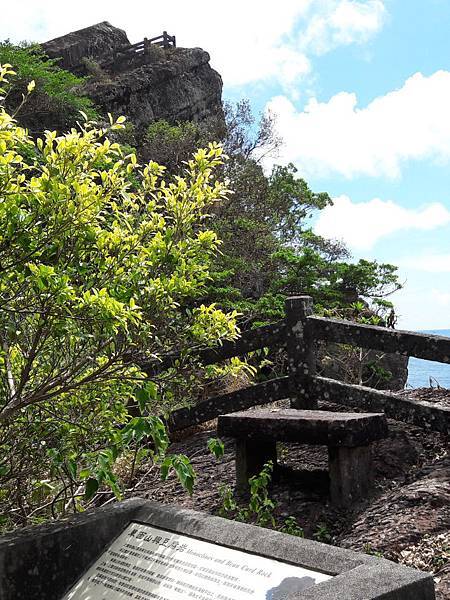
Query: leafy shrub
{"points": [[172, 144], [99, 271]]}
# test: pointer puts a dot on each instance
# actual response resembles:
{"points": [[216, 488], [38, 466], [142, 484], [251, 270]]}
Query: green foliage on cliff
{"points": [[173, 144], [57, 101]]}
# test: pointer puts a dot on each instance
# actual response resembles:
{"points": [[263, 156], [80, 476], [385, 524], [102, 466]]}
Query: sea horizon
{"points": [[426, 373]]}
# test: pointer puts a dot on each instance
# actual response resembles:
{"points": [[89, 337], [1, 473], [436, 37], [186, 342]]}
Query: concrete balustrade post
{"points": [[301, 351]]}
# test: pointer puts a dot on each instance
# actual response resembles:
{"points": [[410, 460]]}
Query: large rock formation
{"points": [[95, 42], [175, 84]]}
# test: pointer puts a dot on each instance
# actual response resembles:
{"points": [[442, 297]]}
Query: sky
{"points": [[361, 94]]}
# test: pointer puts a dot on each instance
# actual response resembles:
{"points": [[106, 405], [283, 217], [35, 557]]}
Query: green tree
{"points": [[268, 249], [102, 263], [172, 145]]}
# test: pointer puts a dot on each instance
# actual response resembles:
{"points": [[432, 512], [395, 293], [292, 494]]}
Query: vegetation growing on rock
{"points": [[57, 100]]}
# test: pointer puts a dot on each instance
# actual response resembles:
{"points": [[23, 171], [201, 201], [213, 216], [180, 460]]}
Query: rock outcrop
{"points": [[175, 84], [95, 42], [372, 368]]}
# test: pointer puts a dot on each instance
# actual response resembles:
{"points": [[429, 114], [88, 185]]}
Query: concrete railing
{"points": [[298, 333]]}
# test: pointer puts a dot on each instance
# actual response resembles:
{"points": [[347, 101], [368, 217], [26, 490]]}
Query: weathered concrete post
{"points": [[251, 456], [351, 474], [146, 46], [301, 352]]}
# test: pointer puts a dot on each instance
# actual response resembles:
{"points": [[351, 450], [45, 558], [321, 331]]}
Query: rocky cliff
{"points": [[94, 42], [175, 84]]}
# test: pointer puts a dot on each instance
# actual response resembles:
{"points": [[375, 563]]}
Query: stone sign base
{"points": [[128, 544], [147, 562]]}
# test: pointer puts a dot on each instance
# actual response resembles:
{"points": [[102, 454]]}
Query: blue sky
{"points": [[361, 89]]}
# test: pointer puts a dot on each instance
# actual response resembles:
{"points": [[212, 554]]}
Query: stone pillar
{"points": [[251, 456], [301, 351], [350, 474]]}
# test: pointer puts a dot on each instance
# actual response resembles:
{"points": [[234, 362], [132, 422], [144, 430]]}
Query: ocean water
{"points": [[420, 371]]}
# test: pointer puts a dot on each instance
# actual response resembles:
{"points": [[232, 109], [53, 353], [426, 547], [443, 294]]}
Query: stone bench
{"points": [[348, 437]]}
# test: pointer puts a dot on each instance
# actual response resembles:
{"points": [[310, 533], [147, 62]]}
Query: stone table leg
{"points": [[350, 474], [251, 455]]}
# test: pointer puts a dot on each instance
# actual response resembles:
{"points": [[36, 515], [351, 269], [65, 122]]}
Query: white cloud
{"points": [[347, 23], [339, 137], [362, 224], [249, 40], [442, 298], [430, 263], [423, 305]]}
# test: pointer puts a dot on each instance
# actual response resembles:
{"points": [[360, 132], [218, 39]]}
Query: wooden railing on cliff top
{"points": [[164, 41], [141, 49], [298, 333]]}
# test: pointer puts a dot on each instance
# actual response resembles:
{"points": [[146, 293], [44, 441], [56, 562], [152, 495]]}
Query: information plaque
{"points": [[146, 563]]}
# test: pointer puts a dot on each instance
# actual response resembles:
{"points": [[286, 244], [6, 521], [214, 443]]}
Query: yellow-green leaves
{"points": [[104, 263], [114, 315], [210, 324], [118, 123], [5, 70]]}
